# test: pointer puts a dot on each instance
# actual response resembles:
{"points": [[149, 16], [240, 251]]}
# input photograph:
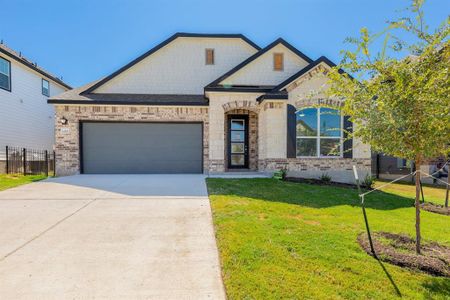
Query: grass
{"points": [[435, 194], [10, 181], [284, 240]]}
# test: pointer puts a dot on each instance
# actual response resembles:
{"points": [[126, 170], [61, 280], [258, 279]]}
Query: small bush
{"points": [[281, 174], [325, 178], [368, 182]]}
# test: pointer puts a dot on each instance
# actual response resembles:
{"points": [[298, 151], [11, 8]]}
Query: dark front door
{"points": [[237, 141]]}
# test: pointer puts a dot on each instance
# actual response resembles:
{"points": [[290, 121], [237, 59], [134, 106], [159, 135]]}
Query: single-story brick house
{"points": [[207, 103]]}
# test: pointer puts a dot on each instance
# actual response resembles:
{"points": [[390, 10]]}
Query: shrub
{"points": [[368, 181], [325, 178], [280, 174]]}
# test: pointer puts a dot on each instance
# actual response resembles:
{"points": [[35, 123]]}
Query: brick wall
{"points": [[340, 169], [67, 136]]}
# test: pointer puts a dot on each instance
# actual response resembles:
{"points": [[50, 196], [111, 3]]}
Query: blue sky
{"points": [[83, 40]]}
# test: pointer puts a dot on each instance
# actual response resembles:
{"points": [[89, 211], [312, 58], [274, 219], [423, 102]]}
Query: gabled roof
{"points": [[20, 59], [136, 99], [164, 43], [215, 84], [305, 70], [76, 96]]}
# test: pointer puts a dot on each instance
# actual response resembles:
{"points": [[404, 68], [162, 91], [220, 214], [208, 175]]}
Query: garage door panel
{"points": [[133, 148]]}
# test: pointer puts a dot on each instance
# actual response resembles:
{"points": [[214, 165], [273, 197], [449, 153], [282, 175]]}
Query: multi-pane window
{"points": [[319, 132], [209, 56], [5, 74], [278, 62], [45, 88]]}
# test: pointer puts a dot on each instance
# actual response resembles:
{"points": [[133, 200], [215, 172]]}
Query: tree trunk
{"points": [[418, 237]]}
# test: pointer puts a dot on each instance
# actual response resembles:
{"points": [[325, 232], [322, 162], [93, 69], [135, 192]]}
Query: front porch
{"points": [[243, 132]]}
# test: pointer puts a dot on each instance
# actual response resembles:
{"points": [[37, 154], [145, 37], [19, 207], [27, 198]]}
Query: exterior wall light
{"points": [[63, 121]]}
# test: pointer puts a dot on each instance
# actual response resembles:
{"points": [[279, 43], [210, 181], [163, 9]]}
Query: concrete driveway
{"points": [[109, 237]]}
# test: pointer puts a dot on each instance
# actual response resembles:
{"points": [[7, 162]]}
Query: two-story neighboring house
{"points": [[26, 119], [208, 103]]}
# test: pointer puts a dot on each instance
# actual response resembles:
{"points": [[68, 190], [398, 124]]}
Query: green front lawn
{"points": [[10, 181], [283, 240], [430, 193]]}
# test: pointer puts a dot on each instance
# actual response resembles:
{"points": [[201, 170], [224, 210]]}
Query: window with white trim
{"points": [[45, 87], [5, 74], [319, 132]]}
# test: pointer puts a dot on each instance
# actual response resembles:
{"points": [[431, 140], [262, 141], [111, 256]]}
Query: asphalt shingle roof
{"points": [[17, 56]]}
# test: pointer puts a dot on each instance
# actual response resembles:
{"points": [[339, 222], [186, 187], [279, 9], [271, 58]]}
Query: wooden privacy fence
{"points": [[27, 161]]}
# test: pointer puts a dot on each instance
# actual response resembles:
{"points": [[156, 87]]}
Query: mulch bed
{"points": [[318, 182], [399, 249], [436, 208]]}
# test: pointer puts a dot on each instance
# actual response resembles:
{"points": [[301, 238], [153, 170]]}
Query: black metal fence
{"points": [[29, 161], [384, 165]]}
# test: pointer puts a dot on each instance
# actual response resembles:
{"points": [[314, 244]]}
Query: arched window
{"points": [[319, 132]]}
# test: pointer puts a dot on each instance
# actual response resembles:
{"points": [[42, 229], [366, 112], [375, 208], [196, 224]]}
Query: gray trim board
{"points": [[84, 102], [240, 89], [274, 96], [135, 99]]}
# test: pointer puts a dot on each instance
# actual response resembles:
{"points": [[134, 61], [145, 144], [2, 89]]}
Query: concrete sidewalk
{"points": [[109, 236]]}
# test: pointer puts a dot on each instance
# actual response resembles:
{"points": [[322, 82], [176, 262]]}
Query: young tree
{"points": [[400, 107]]}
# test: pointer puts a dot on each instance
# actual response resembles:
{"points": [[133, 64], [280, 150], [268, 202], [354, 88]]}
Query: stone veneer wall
{"points": [[340, 169], [67, 136], [252, 137]]}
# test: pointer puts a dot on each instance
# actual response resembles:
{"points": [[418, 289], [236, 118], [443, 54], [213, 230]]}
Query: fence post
{"points": [[378, 166], [54, 164], [24, 159], [46, 163], [7, 160]]}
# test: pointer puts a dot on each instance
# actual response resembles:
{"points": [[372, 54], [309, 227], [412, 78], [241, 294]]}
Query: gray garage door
{"points": [[141, 148]]}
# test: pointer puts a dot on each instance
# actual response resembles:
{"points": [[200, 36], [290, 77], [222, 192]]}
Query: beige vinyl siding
{"points": [[278, 62], [261, 70], [179, 67]]}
